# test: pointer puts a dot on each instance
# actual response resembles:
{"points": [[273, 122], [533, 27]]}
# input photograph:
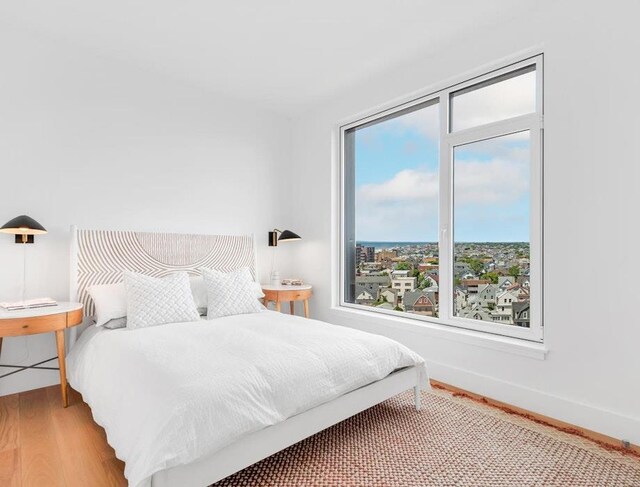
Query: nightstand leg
{"points": [[277, 305], [306, 308], [0, 346], [291, 307], [63, 366]]}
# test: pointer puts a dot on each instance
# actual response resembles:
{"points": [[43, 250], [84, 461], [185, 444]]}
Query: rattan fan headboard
{"points": [[101, 256]]}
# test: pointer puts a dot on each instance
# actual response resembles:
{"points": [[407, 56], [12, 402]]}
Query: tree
{"points": [[514, 271], [492, 276], [476, 265], [403, 266]]}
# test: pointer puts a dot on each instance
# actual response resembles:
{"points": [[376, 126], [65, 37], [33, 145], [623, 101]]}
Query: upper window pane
{"points": [[499, 98]]}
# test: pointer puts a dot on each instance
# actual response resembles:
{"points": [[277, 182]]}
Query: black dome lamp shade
{"points": [[24, 228], [285, 236]]}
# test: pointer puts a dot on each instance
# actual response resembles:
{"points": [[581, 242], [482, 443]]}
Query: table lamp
{"points": [[285, 236], [24, 228]]}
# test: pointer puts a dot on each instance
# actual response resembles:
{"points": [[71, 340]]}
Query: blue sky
{"points": [[397, 184]]}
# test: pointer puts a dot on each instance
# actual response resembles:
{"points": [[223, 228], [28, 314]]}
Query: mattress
{"points": [[172, 394]]}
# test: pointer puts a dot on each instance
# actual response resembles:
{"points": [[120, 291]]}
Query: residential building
{"points": [[403, 284], [521, 311]]}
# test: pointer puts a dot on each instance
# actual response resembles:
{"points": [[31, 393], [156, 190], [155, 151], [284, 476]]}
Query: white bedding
{"points": [[171, 394]]}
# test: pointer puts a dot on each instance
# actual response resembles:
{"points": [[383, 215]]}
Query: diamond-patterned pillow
{"points": [[230, 294], [155, 301]]}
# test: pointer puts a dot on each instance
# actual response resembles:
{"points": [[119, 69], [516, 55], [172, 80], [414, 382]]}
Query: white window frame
{"points": [[533, 123]]}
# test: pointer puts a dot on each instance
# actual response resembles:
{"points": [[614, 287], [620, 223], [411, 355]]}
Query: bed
{"points": [[187, 404]]}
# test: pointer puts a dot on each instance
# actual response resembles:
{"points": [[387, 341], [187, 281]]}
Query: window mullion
{"points": [[445, 270]]}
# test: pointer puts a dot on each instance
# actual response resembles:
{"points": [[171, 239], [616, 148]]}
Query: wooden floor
{"points": [[43, 444]]}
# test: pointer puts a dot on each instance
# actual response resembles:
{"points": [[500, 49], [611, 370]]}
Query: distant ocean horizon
{"points": [[389, 245]]}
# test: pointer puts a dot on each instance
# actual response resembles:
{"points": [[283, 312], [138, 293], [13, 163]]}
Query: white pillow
{"points": [[155, 301], [229, 294], [110, 301], [198, 292]]}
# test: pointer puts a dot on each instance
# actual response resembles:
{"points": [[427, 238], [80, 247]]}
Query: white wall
{"points": [[101, 144], [590, 376]]}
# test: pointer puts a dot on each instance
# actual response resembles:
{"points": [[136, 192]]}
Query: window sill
{"points": [[514, 346]]}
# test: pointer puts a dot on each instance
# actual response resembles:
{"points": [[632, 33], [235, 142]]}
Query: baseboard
{"points": [[600, 425]]}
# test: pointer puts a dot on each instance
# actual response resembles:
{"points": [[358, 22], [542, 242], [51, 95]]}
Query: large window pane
{"points": [[499, 98], [491, 194], [391, 233]]}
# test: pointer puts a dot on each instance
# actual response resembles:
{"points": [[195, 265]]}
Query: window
{"points": [[445, 194]]}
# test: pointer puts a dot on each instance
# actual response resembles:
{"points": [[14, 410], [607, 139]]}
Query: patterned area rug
{"points": [[452, 441]]}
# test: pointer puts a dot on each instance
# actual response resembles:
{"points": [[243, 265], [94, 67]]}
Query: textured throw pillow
{"points": [[198, 292], [155, 301], [230, 294], [110, 301]]}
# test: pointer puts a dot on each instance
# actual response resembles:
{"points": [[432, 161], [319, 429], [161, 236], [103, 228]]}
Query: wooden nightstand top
{"points": [[64, 307], [271, 287]]}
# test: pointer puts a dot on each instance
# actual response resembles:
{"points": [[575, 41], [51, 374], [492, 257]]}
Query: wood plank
{"points": [[10, 468], [40, 458], [93, 462], [114, 469], [9, 414]]}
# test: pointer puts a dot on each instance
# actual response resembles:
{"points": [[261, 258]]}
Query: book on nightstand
{"points": [[291, 282], [28, 304]]}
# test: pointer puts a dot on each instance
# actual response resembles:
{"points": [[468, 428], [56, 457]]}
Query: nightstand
{"points": [[42, 320], [280, 294]]}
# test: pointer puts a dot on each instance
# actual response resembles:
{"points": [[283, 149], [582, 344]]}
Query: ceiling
{"points": [[282, 54]]}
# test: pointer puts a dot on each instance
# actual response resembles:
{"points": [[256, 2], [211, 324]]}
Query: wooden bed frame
{"points": [[99, 257]]}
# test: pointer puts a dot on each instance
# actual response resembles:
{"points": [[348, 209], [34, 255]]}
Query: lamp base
{"points": [[275, 278], [20, 239]]}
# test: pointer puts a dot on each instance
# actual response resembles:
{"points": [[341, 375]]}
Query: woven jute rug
{"points": [[452, 441]]}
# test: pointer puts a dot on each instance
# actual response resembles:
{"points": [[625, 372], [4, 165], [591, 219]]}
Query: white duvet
{"points": [[171, 394]]}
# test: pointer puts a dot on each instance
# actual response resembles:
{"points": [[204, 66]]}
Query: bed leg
{"points": [[417, 397]]}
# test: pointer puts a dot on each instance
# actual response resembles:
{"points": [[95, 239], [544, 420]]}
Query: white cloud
{"points": [[406, 185], [498, 181], [405, 207]]}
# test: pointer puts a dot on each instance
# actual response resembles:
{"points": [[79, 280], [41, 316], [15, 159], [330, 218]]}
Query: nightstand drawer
{"points": [[293, 295], [36, 324], [281, 294]]}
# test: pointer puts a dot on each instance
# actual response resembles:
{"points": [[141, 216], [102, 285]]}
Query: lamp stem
{"points": [[24, 270], [273, 264]]}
